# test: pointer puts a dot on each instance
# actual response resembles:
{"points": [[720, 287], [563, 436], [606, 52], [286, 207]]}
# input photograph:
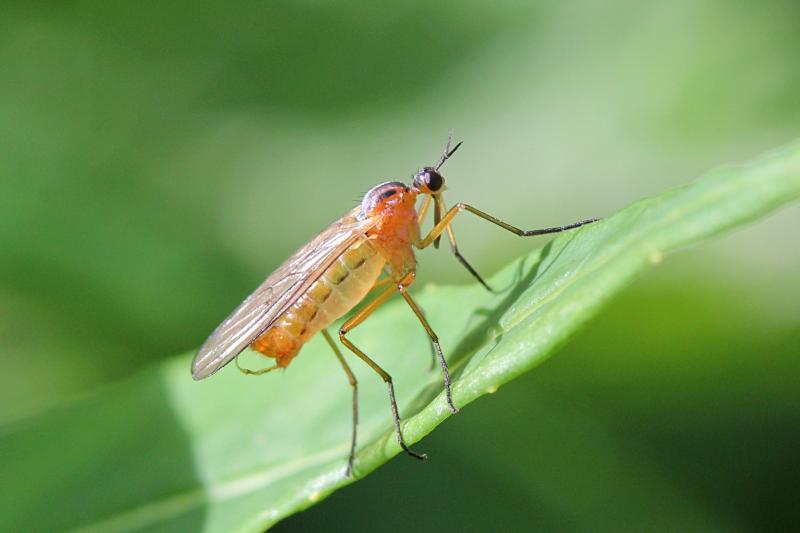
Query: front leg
{"points": [[403, 288], [440, 209], [444, 223]]}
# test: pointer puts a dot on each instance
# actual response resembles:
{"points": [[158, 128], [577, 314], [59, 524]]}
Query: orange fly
{"points": [[330, 275]]}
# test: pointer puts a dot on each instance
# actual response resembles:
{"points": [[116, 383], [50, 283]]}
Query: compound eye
{"points": [[428, 180], [434, 180]]}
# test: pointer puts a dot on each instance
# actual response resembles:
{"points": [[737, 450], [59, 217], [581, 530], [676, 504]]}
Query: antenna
{"points": [[447, 151]]}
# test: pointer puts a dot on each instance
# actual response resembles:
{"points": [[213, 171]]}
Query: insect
{"points": [[330, 275]]}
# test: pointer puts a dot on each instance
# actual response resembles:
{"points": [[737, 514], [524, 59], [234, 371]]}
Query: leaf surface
{"points": [[233, 452]]}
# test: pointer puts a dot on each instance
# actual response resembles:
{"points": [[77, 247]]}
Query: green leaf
{"points": [[161, 451]]}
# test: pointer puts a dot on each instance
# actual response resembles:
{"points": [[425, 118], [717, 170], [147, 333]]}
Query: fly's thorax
{"points": [[340, 287], [392, 206]]}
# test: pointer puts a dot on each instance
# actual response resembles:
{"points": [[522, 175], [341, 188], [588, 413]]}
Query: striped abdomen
{"points": [[337, 291]]}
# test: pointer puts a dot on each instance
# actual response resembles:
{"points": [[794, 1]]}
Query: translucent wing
{"points": [[276, 294]]}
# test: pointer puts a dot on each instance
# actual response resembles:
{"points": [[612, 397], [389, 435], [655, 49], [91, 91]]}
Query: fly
{"points": [[330, 275]]}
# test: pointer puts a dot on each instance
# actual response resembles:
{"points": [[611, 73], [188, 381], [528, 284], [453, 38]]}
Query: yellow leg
{"points": [[423, 210], [437, 215], [357, 319], [454, 247], [444, 223], [433, 337], [351, 378], [248, 372], [381, 283]]}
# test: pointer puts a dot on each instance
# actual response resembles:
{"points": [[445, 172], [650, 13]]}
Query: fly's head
{"points": [[428, 181]]}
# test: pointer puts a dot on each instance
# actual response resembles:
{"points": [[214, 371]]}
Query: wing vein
{"points": [[277, 293]]}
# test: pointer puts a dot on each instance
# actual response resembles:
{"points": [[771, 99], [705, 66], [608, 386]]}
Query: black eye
{"points": [[434, 181], [387, 194]]}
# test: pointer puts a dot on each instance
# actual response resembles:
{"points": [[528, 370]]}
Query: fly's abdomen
{"points": [[337, 291]]}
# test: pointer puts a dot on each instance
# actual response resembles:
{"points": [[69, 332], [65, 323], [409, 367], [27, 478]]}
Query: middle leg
{"points": [[402, 287], [357, 319]]}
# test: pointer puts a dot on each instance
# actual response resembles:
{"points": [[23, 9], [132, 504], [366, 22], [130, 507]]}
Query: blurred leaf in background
{"points": [[157, 161]]}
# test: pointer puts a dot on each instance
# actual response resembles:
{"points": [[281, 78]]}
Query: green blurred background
{"points": [[159, 159]]}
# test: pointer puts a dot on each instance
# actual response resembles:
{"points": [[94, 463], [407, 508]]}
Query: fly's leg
{"points": [[381, 283], [259, 372], [433, 346], [437, 214], [385, 281], [423, 210], [402, 287], [357, 319], [354, 384], [444, 223], [433, 349], [440, 209]]}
